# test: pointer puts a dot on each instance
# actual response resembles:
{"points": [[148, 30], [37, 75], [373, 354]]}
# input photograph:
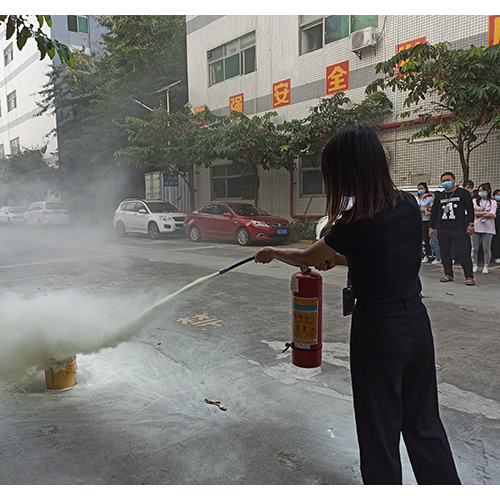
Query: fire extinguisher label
{"points": [[305, 320]]}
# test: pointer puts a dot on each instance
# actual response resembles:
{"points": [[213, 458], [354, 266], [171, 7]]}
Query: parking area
{"points": [[139, 412]]}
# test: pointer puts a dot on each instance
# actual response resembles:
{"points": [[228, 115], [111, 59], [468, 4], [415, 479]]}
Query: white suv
{"points": [[47, 213], [151, 217]]}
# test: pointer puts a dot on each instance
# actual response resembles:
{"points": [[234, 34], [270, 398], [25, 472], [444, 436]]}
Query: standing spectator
{"points": [[485, 209], [425, 201], [495, 242], [453, 215], [469, 185]]}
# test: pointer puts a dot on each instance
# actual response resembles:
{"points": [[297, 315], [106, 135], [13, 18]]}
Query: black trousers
{"points": [[459, 240], [395, 392], [426, 239]]}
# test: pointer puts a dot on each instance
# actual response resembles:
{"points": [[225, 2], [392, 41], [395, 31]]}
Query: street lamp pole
{"points": [[167, 90]]}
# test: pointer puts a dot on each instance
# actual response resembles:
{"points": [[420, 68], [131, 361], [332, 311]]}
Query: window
{"points": [[14, 146], [8, 55], [311, 179], [11, 101], [317, 31], [233, 181], [232, 59], [78, 24]]}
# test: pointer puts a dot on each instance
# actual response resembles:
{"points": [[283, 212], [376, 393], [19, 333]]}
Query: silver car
{"points": [[11, 215], [47, 213]]}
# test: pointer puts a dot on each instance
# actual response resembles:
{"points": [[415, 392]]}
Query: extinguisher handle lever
{"points": [[305, 269]]}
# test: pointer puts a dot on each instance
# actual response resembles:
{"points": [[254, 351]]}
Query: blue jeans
{"points": [[435, 245]]}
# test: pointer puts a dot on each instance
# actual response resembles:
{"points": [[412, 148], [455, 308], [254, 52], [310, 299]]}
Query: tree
{"points": [[251, 143], [24, 30], [93, 99], [461, 90], [26, 176], [331, 114], [165, 141]]}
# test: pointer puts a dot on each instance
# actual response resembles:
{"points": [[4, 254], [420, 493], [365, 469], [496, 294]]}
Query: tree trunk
{"points": [[464, 161]]}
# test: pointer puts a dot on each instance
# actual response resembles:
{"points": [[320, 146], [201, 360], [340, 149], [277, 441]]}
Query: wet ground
{"points": [[138, 414]]}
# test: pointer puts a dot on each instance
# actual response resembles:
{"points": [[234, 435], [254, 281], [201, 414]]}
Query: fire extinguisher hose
{"points": [[223, 271]]}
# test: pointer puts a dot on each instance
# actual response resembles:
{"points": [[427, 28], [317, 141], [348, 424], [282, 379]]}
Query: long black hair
{"points": [[354, 164]]}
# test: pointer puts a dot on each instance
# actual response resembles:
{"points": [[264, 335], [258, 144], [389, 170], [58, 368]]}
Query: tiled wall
{"points": [[277, 45]]}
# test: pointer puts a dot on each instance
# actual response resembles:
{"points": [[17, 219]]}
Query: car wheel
{"points": [[120, 229], [153, 230], [194, 234], [243, 236]]}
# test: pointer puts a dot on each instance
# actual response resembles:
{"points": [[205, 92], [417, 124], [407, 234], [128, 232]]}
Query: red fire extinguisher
{"points": [[307, 296]]}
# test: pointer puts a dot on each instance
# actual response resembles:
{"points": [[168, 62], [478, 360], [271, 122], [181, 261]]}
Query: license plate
{"points": [[282, 231]]}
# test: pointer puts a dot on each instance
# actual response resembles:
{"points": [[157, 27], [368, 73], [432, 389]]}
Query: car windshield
{"points": [[157, 207], [246, 210], [55, 205], [17, 210]]}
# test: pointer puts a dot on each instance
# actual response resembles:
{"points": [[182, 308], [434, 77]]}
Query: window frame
{"points": [[8, 53], [304, 170], [247, 189], [15, 144], [76, 21], [240, 47], [321, 20], [11, 100]]}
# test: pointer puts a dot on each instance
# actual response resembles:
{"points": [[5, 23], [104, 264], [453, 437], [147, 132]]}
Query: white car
{"points": [[322, 225], [47, 213], [11, 215], [148, 217]]}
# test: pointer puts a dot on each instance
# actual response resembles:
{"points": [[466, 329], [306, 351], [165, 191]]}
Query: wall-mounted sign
{"points": [[197, 109], [282, 93], [337, 77], [237, 103], [493, 30]]}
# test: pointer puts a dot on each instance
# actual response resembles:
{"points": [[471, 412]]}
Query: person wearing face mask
{"points": [[495, 242], [452, 215], [485, 209], [425, 201]]}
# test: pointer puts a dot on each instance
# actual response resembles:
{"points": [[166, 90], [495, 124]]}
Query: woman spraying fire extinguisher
{"points": [[392, 353]]}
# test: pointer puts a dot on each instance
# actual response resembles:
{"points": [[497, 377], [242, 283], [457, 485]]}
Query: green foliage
{"points": [[24, 30], [334, 112], [26, 176], [461, 90], [303, 229]]}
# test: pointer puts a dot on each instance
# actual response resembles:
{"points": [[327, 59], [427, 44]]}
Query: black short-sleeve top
{"points": [[383, 253]]}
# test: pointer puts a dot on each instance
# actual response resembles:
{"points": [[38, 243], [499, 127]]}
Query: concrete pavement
{"points": [[138, 413]]}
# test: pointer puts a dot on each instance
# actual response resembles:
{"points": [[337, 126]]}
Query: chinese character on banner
{"points": [[197, 109], [337, 77], [282, 93], [493, 30], [237, 103]]}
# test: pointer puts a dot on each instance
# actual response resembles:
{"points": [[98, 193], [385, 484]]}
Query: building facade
{"points": [[260, 63], [22, 76]]}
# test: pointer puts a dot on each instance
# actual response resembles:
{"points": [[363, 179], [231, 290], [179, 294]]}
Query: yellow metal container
{"points": [[57, 377]]}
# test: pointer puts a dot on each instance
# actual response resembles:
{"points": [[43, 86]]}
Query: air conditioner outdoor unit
{"points": [[362, 39]]}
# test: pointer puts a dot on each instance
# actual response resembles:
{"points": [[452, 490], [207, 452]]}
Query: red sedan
{"points": [[242, 222]]}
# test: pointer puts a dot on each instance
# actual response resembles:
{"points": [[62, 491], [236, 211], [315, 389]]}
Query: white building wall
{"points": [[277, 56], [25, 74]]}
